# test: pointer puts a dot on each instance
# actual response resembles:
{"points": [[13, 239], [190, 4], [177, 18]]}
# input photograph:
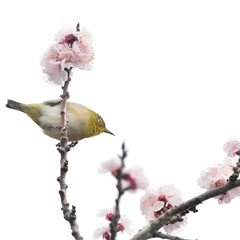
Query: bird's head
{"points": [[97, 125]]}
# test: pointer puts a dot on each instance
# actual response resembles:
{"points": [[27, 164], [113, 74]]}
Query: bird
{"points": [[82, 121]]}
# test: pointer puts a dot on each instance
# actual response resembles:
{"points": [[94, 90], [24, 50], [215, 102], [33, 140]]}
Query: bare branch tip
{"points": [[78, 27]]}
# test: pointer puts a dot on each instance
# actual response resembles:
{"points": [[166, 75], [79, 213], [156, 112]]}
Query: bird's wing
{"points": [[53, 103], [50, 114]]}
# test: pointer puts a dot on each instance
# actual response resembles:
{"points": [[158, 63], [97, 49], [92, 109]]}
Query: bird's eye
{"points": [[100, 121]]}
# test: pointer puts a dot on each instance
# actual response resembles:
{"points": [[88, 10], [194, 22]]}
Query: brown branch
{"points": [[78, 27], [119, 177], [182, 209], [236, 170], [64, 147], [167, 236]]}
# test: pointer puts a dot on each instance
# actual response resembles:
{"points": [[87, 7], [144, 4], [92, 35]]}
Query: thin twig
{"points": [[63, 148], [119, 177], [78, 27]]}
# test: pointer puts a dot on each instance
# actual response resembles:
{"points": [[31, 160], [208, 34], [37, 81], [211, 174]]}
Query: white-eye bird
{"points": [[82, 122]]}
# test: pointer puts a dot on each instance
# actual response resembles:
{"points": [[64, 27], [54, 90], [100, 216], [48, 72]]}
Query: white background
{"points": [[165, 79]]}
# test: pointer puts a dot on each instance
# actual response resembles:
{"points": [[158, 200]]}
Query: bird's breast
{"points": [[77, 116]]}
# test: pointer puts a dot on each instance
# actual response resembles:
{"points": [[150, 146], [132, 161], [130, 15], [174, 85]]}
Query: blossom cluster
{"points": [[219, 174], [156, 202], [104, 231], [129, 179], [73, 49], [133, 178], [231, 148]]}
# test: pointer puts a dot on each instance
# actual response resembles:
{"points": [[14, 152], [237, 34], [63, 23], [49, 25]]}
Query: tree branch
{"points": [[182, 209], [119, 177], [64, 148]]}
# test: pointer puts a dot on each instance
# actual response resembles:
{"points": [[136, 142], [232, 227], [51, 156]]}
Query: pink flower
{"points": [[108, 213], [103, 232], [156, 202], [72, 50], [217, 176], [63, 32], [134, 178], [125, 224], [111, 165], [231, 147], [52, 67]]}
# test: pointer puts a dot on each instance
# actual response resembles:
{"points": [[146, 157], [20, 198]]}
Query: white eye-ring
{"points": [[100, 121]]}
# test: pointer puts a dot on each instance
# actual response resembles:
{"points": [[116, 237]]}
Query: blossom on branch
{"points": [[108, 213], [217, 176], [111, 165], [73, 49], [156, 202], [103, 232], [134, 178], [124, 224], [231, 147]]}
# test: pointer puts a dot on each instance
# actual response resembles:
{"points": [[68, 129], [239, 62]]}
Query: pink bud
{"points": [[109, 216], [120, 227], [106, 235]]}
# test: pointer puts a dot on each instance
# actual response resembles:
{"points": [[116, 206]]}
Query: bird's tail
{"points": [[14, 105]]}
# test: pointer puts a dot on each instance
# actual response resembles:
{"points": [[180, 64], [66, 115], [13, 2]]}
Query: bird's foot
{"points": [[73, 144]]}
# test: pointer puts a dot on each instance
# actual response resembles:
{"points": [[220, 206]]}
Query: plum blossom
{"points": [[103, 232], [108, 213], [125, 224], [134, 178], [73, 49], [231, 147], [156, 202], [63, 32], [217, 176], [111, 165]]}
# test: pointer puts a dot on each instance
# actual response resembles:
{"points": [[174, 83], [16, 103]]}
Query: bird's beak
{"points": [[107, 131]]}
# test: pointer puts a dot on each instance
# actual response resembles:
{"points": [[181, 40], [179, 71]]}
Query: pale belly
{"points": [[72, 135], [50, 123]]}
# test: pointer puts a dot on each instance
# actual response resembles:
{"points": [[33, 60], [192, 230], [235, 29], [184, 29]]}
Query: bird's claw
{"points": [[73, 144]]}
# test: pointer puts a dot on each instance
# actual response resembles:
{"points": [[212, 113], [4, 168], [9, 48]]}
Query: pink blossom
{"points": [[125, 224], [53, 68], [108, 213], [156, 202], [231, 147], [135, 178], [217, 176], [72, 50], [111, 165], [63, 32], [103, 232]]}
